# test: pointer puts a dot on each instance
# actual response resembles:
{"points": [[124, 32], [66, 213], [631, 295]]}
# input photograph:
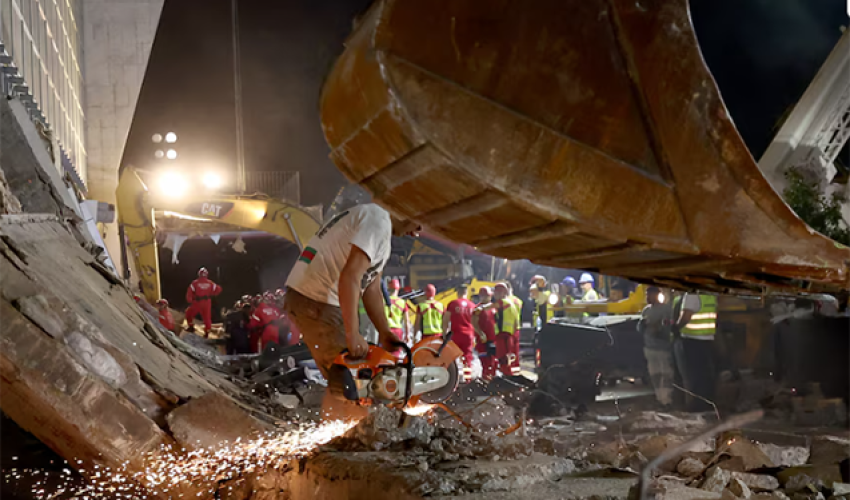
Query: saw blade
{"points": [[443, 393]]}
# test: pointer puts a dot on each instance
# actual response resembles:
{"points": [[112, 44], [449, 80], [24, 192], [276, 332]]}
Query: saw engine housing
{"points": [[382, 377]]}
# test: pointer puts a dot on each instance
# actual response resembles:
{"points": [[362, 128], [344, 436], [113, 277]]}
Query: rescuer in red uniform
{"points": [[459, 320], [165, 317], [484, 321], [264, 323], [199, 295]]}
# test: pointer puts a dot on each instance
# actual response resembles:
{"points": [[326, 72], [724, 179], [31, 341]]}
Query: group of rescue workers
{"points": [[251, 324], [489, 328]]}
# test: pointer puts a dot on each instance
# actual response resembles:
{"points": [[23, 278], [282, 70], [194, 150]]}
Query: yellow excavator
{"points": [[136, 206]]}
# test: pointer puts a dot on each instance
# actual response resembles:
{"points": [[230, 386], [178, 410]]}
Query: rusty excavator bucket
{"points": [[583, 134]]}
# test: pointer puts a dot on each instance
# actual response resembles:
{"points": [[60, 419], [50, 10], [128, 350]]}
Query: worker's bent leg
{"points": [[515, 365], [270, 334], [191, 312], [503, 349], [206, 314], [660, 366], [323, 332]]}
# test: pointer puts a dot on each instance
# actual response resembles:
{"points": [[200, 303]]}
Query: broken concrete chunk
{"points": [[716, 480], [606, 454], [840, 489], [653, 446], [39, 312], [733, 464], [750, 453], [829, 450], [739, 488], [649, 420], [808, 496], [796, 478], [785, 456], [803, 483], [820, 412], [690, 467], [289, 401], [551, 446], [673, 490], [728, 495], [211, 421], [772, 495], [97, 359], [757, 482]]}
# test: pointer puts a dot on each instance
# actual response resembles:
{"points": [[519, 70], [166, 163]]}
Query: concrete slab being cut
{"points": [[403, 476]]}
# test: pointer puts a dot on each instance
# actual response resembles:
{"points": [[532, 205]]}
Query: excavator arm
{"points": [[136, 206]]}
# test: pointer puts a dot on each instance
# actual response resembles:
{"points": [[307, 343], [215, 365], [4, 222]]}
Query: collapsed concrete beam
{"points": [[81, 366]]}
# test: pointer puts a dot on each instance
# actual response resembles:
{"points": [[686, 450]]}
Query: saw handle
{"points": [[408, 386], [446, 340]]}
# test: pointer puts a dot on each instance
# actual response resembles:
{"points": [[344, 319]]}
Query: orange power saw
{"points": [[427, 373]]}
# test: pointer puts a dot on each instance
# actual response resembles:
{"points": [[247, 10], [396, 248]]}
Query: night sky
{"points": [[763, 54]]}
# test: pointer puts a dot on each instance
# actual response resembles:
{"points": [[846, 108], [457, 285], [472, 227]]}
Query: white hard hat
{"points": [[586, 278]]}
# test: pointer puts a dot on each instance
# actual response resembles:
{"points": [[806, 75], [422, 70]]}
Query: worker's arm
{"points": [[349, 297], [190, 294], [686, 314], [216, 289], [373, 301], [476, 317], [446, 320]]}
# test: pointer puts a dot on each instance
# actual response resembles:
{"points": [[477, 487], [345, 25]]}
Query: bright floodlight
{"points": [[159, 154], [553, 299], [171, 137], [157, 138], [171, 154], [212, 180], [172, 184], [661, 298]]}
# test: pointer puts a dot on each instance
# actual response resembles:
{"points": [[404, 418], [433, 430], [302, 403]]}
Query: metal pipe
{"points": [[288, 217]]}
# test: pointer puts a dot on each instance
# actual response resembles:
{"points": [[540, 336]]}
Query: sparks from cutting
{"points": [[169, 471]]}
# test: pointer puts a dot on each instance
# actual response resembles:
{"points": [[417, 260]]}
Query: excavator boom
{"points": [[575, 133], [136, 205]]}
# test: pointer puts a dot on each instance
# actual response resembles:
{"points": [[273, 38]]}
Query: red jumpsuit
{"points": [[463, 334], [263, 326], [487, 324], [199, 295], [166, 319], [507, 343]]}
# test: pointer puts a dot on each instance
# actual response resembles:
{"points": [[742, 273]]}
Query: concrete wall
{"points": [[117, 40]]}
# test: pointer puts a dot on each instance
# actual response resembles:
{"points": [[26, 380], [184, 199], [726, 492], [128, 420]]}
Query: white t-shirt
{"points": [[316, 272], [691, 302]]}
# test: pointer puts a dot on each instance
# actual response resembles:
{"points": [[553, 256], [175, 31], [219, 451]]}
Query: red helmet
{"points": [[162, 303], [394, 284], [202, 272], [501, 286], [485, 290], [430, 291]]}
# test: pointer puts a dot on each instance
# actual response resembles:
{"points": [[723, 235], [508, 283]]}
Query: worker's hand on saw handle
{"points": [[389, 341], [357, 346]]}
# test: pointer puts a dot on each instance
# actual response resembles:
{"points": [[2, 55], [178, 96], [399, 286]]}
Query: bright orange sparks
{"points": [[418, 410]]}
